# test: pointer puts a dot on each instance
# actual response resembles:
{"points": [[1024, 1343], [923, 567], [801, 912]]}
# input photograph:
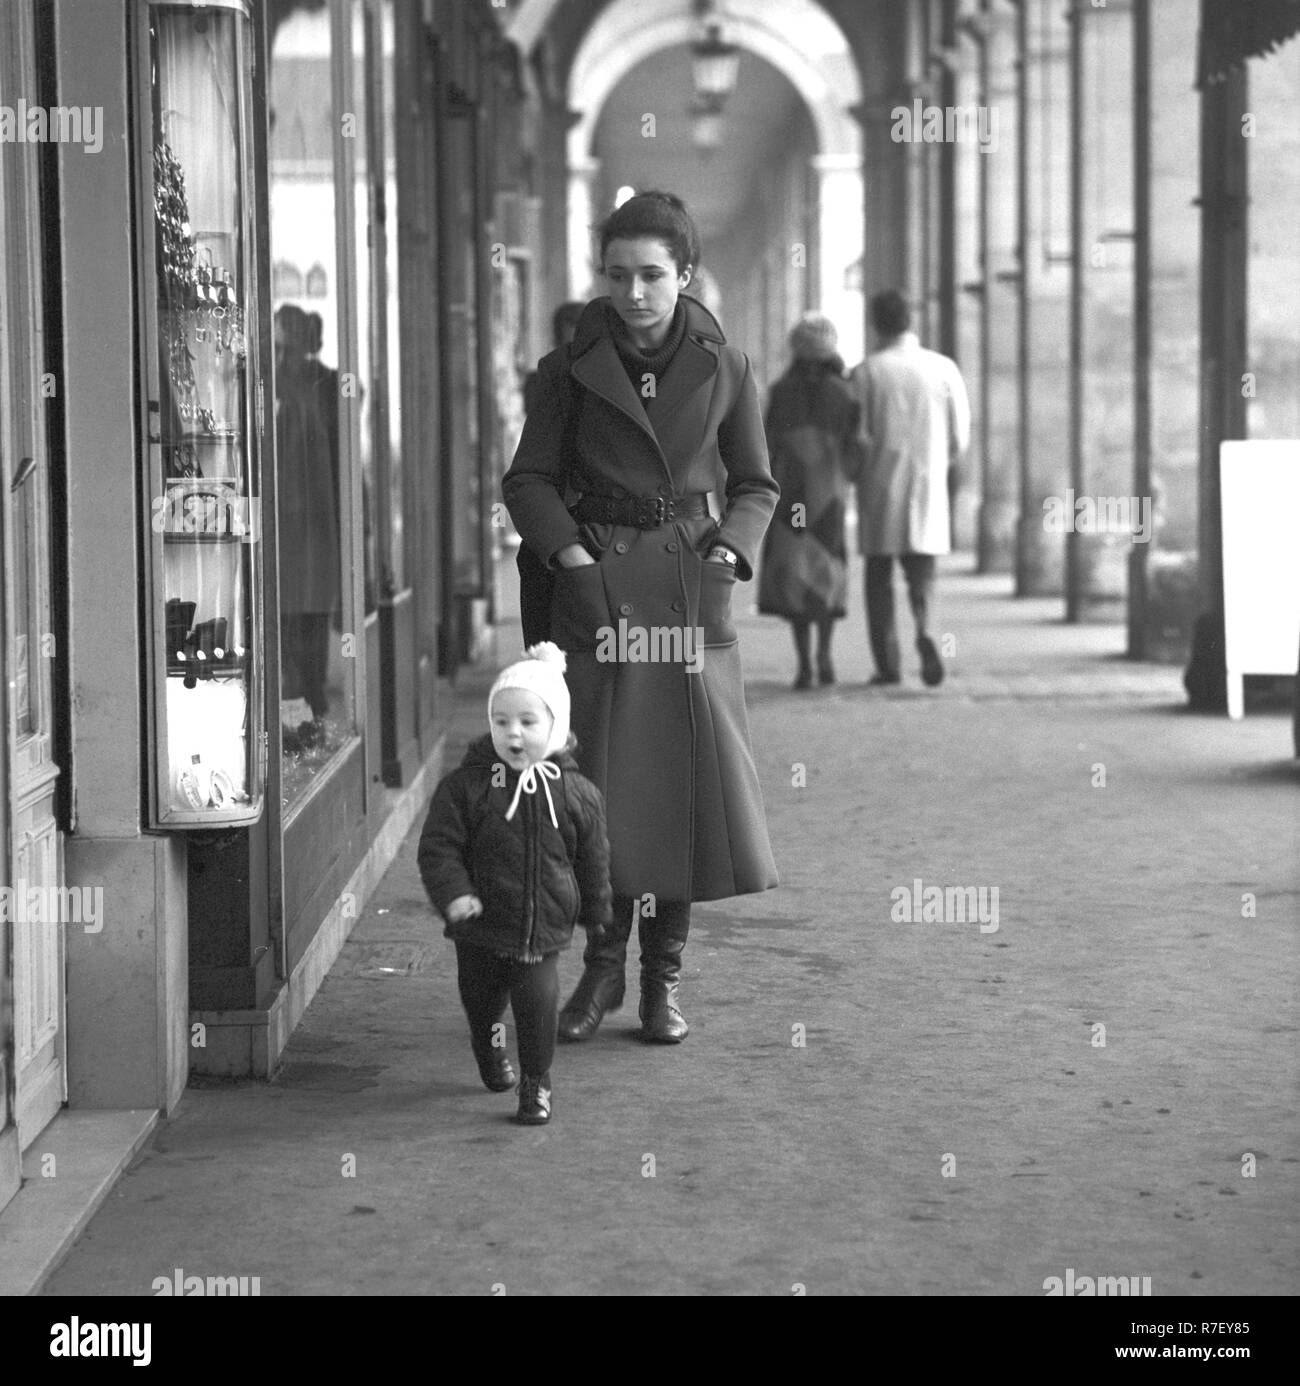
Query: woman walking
{"points": [[813, 437], [651, 397]]}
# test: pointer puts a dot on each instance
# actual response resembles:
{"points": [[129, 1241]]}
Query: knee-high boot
{"points": [[662, 940], [602, 984]]}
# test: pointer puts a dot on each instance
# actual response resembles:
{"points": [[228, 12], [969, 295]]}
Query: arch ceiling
{"points": [[797, 37], [764, 116]]}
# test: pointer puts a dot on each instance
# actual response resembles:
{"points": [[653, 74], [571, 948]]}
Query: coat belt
{"points": [[641, 512]]}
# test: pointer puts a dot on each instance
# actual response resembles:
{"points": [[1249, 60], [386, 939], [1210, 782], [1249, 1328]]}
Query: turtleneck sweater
{"points": [[637, 363]]}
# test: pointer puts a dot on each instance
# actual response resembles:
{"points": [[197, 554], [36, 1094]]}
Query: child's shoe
{"points": [[534, 1102], [495, 1070]]}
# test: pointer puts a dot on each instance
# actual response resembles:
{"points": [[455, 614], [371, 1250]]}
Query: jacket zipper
{"points": [[530, 872]]}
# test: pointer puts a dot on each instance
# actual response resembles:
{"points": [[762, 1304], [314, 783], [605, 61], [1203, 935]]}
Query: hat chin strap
{"points": [[542, 770]]}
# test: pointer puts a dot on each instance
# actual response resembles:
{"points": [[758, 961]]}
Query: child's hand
{"points": [[595, 932], [464, 907]]}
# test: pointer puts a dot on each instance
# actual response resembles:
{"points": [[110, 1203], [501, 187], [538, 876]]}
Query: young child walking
{"points": [[513, 855]]}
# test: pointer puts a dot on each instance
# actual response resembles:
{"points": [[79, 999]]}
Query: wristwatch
{"points": [[725, 554]]}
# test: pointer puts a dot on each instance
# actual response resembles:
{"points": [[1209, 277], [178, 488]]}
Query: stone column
{"points": [[839, 203], [887, 258], [1098, 542], [584, 180], [552, 189], [1162, 592], [1224, 358], [967, 218], [1000, 425], [1045, 306], [128, 984]]}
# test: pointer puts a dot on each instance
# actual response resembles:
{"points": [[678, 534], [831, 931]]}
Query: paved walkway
{"points": [[951, 1122]]}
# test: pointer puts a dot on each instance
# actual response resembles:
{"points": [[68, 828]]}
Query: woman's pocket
{"points": [[579, 607], [717, 585]]}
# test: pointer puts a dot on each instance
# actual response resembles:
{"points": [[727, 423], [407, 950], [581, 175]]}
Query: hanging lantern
{"points": [[715, 64]]}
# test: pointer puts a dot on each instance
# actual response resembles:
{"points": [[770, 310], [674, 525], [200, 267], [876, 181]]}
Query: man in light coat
{"points": [[916, 417]]}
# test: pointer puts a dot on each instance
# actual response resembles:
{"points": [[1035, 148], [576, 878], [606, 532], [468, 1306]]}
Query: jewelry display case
{"points": [[205, 415]]}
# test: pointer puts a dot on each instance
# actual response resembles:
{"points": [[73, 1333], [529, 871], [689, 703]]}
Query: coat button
{"points": [[625, 609], [672, 548], [620, 547], [679, 605]]}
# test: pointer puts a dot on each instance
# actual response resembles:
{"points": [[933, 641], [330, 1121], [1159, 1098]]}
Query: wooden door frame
{"points": [[24, 783], [10, 1155]]}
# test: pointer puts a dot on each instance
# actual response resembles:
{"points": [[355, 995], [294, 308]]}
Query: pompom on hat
{"points": [[541, 671], [814, 337]]}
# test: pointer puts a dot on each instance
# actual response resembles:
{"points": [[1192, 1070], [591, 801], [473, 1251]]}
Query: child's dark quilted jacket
{"points": [[535, 881]]}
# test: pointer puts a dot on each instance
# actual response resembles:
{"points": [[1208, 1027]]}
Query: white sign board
{"points": [[1260, 488]]}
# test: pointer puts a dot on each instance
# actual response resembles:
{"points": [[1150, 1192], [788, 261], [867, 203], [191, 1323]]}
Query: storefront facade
{"points": [[260, 338]]}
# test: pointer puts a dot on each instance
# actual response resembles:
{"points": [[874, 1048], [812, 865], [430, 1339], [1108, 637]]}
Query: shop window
{"points": [[314, 396], [364, 212], [204, 483], [395, 577], [25, 691]]}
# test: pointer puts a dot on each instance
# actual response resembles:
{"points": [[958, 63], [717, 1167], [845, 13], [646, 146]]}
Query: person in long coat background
{"points": [[310, 587], [916, 415], [660, 398], [814, 442]]}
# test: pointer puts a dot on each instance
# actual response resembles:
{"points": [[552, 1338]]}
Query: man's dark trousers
{"points": [[918, 568]]}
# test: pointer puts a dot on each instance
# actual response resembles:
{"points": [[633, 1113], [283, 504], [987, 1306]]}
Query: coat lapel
{"points": [[601, 371], [681, 408]]}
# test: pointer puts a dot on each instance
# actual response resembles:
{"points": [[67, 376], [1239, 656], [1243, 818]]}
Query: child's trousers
{"points": [[488, 981]]}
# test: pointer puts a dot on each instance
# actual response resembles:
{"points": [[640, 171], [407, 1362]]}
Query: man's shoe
{"points": [[534, 1102], [931, 664], [495, 1069]]}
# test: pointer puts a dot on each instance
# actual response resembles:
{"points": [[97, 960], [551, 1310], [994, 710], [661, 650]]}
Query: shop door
{"points": [[36, 907]]}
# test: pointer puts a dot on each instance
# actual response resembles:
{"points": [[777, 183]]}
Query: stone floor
{"points": [[865, 1104]]}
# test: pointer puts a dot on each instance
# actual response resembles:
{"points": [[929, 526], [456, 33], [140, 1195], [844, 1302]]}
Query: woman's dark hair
{"points": [[660, 216]]}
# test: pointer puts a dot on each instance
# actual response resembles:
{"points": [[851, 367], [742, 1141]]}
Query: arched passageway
{"points": [[776, 186]]}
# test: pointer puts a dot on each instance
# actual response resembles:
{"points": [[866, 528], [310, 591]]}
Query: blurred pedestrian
{"points": [[916, 417], [643, 595], [308, 512], [512, 854], [813, 438], [564, 322]]}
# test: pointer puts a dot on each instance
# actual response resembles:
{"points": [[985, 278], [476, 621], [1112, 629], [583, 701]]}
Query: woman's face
{"points": [[644, 282]]}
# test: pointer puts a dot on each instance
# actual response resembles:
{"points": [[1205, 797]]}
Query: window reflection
{"points": [[395, 578], [310, 413]]}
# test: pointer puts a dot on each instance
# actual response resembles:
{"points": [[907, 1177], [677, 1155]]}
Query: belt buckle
{"points": [[651, 511]]}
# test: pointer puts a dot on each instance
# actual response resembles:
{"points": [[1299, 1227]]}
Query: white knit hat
{"points": [[541, 672]]}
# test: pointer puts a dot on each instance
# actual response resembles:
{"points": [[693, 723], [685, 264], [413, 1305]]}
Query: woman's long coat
{"points": [[814, 441], [665, 739], [309, 569]]}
